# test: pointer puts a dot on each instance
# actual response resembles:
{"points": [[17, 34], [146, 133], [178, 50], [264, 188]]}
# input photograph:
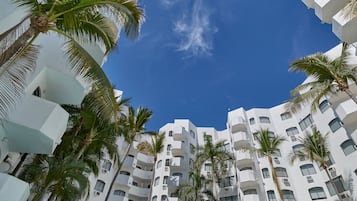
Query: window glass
{"points": [[251, 121], [119, 193], [307, 169], [250, 192], [165, 180], [284, 116], [264, 120], [167, 162], [317, 193], [292, 131], [168, 147], [208, 167], [335, 124], [281, 172], [159, 163], [154, 198], [288, 195], [339, 183], [348, 147], [265, 173], [164, 198], [306, 122], [230, 198], [156, 182], [324, 105], [192, 148], [170, 133], [107, 165], [192, 134], [271, 196], [99, 186]]}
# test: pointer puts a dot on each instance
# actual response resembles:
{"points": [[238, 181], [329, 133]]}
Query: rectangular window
{"points": [[292, 131], [285, 115], [251, 121], [339, 183], [306, 122], [192, 149], [208, 167], [264, 120]]}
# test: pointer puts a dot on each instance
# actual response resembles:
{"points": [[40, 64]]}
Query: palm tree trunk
{"points": [[86, 143], [275, 177], [213, 179], [152, 180], [333, 184], [18, 44], [117, 172], [39, 194], [349, 93]]}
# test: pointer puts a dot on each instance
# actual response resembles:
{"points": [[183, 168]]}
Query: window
{"points": [[167, 162], [156, 182], [271, 196], [191, 163], [159, 163], [168, 147], [348, 147], [230, 198], [250, 192], [154, 198], [271, 134], [207, 137], [323, 106], [335, 124], [165, 180], [339, 183], [164, 198], [246, 168], [277, 153], [124, 173], [306, 122], [292, 131], [356, 172], [317, 193], [170, 133], [264, 120], [192, 134], [107, 165], [307, 169], [255, 134], [37, 92], [251, 121], [192, 149], [299, 148], [281, 172], [119, 193], [208, 167], [99, 186], [225, 182], [265, 173], [284, 116], [288, 195]]}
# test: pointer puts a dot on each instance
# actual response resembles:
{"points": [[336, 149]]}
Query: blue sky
{"points": [[197, 59]]}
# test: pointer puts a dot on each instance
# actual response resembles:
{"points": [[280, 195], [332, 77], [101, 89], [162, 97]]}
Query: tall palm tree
{"points": [[154, 148], [350, 9], [132, 125], [75, 20], [217, 155], [329, 75], [63, 178], [268, 147], [316, 148]]}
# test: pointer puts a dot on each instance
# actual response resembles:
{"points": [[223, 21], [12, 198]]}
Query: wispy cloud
{"points": [[168, 3], [195, 32]]}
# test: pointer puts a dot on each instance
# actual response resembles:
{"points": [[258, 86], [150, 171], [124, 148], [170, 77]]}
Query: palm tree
{"points": [[350, 9], [217, 155], [316, 148], [330, 75], [63, 178], [268, 146], [132, 125], [154, 148], [77, 21]]}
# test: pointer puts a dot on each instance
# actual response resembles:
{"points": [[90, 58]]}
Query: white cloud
{"points": [[168, 3], [195, 31]]}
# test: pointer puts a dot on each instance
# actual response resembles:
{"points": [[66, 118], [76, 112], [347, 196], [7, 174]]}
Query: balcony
{"points": [[177, 163], [128, 163], [178, 148], [178, 133], [36, 126], [137, 191], [237, 124], [244, 158], [13, 189], [251, 197], [347, 112], [240, 138], [344, 27], [247, 179], [122, 179], [142, 174], [145, 158], [326, 9], [174, 181]]}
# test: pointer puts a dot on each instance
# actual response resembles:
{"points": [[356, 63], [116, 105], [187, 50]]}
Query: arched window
{"points": [[271, 196], [168, 147], [264, 120], [37, 92], [156, 182], [292, 131], [107, 165], [193, 135], [251, 121], [265, 173], [154, 198], [288, 195], [307, 169], [317, 193], [284, 116], [119, 193], [159, 163], [335, 124], [99, 186], [281, 172], [164, 198], [323, 106], [165, 180], [348, 147], [177, 174]]}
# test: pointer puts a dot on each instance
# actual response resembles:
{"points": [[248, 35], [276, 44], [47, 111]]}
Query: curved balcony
{"points": [[177, 163], [251, 197], [36, 122], [247, 179], [139, 191], [178, 133], [178, 148], [142, 174], [239, 138], [122, 179], [237, 124], [145, 158], [244, 158], [347, 112], [128, 163], [326, 9]]}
